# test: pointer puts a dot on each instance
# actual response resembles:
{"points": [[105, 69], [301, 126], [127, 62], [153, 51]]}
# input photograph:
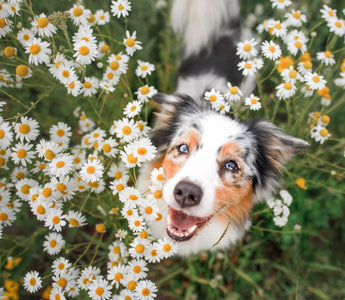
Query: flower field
{"points": [[76, 82]]}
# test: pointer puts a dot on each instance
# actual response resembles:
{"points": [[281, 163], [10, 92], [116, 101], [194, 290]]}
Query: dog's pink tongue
{"points": [[183, 221]]}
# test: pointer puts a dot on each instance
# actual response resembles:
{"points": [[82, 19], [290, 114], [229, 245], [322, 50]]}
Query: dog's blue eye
{"points": [[183, 148], [231, 165]]}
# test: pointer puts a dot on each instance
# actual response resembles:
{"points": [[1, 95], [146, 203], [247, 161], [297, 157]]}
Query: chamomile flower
{"points": [[79, 14], [57, 293], [129, 158], [89, 86], [87, 276], [118, 171], [25, 36], [157, 176], [7, 216], [10, 52], [43, 26], [314, 81], [22, 154], [19, 173], [327, 57], [149, 208], [320, 134], [47, 149], [6, 134], [277, 28], [55, 219], [61, 165], [296, 42], [143, 149], [253, 102], [132, 109], [213, 96], [248, 68], [99, 289], [27, 129], [281, 4], [286, 90], [295, 18], [340, 81], [64, 72], [271, 50], [337, 26], [23, 71], [152, 254], [5, 26], [86, 52], [290, 75], [118, 63], [23, 187], [32, 281], [111, 76], [131, 43], [38, 51], [53, 243], [116, 274], [137, 247], [92, 171], [60, 132], [144, 68], [126, 130], [233, 94], [61, 265], [137, 269], [145, 290], [246, 49], [4, 10], [145, 92], [120, 8], [327, 12], [305, 67], [107, 86], [102, 17]]}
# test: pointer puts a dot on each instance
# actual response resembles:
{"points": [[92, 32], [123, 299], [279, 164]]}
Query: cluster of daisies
{"points": [[280, 208], [70, 66], [300, 74]]}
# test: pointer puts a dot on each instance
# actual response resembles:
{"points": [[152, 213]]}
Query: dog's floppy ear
{"points": [[273, 149]]}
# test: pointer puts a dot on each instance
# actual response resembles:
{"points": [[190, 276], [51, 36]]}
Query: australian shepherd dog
{"points": [[216, 167]]}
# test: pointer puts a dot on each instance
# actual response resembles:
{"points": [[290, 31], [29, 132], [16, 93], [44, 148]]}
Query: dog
{"points": [[216, 167]]}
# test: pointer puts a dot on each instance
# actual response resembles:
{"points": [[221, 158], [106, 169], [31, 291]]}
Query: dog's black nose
{"points": [[187, 194]]}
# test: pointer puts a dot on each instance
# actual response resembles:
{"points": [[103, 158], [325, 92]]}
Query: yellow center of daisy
{"points": [[84, 38], [148, 210], [133, 108], [145, 292], [42, 22], [296, 14], [278, 26], [328, 54], [61, 187], [35, 49], [120, 7], [90, 170], [139, 248], [47, 192], [32, 281], [144, 90], [71, 85], [307, 65], [140, 126], [110, 75], [60, 132], [159, 217], [133, 197], [131, 159], [84, 50], [136, 269], [25, 189], [87, 85], [22, 70], [62, 282], [21, 153], [292, 74], [254, 101], [316, 79], [114, 65], [213, 98], [99, 291], [61, 266], [20, 175], [100, 228], [116, 250], [2, 161], [106, 148], [136, 223], [10, 51], [3, 22], [247, 47], [298, 45], [49, 154], [26, 37], [160, 177], [287, 86], [3, 217], [41, 166], [132, 285], [60, 164], [65, 73], [118, 277], [77, 12], [24, 128], [102, 17], [330, 13], [248, 65], [337, 24], [53, 243], [130, 42], [325, 119], [2, 134], [166, 248], [126, 130], [91, 19], [144, 234], [105, 48], [141, 151], [73, 222], [40, 210], [271, 48], [233, 90], [144, 68], [158, 194], [118, 175], [323, 132]]}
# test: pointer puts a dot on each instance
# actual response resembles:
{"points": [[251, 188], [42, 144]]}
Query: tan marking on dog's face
{"points": [[230, 149], [174, 160]]}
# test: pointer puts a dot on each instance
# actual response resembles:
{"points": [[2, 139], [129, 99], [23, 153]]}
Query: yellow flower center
{"points": [[60, 164], [337, 24], [118, 277], [296, 14], [77, 12], [233, 90], [100, 228], [292, 74], [26, 37], [141, 151], [145, 292], [148, 210], [105, 48], [47, 192], [144, 234], [3, 22], [62, 282], [130, 42], [298, 45], [139, 248], [247, 47], [32, 281], [25, 189], [316, 79], [99, 291], [116, 250], [22, 70], [325, 119], [213, 98], [248, 65], [287, 86], [133, 197], [278, 26], [160, 177], [24, 128], [126, 130], [167, 248], [254, 101], [158, 194], [110, 75], [73, 222], [118, 175], [120, 7], [3, 216], [90, 170], [65, 73], [2, 134], [308, 65], [328, 54], [132, 285], [61, 266], [20, 175], [71, 85], [133, 108], [136, 269], [40, 210], [131, 159], [91, 19], [42, 22], [87, 85], [2, 161], [144, 90], [323, 132], [84, 50], [35, 49], [271, 48], [114, 65], [21, 153], [106, 148], [136, 223], [53, 243], [49, 154], [144, 68], [10, 51]]}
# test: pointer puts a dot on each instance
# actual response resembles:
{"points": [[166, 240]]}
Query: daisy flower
{"points": [[277, 28], [60, 132], [285, 90], [118, 62], [166, 249], [130, 195], [253, 102], [79, 14], [25, 36], [61, 165], [26, 129], [86, 52], [128, 157], [7, 216], [248, 68], [143, 149], [290, 75], [320, 134], [42, 26], [116, 274], [106, 85], [305, 67], [246, 49], [32, 281], [47, 149], [89, 86], [151, 253], [144, 68], [102, 17], [295, 18], [38, 51], [64, 72], [19, 173], [126, 130], [281, 4], [23, 71], [132, 109], [22, 154], [23, 187], [327, 12], [213, 96], [314, 81], [145, 92], [10, 51], [137, 269], [57, 293], [296, 41], [120, 8], [149, 208], [14, 7], [137, 247], [53, 243], [145, 290], [73, 86], [54, 219], [6, 134], [61, 280], [99, 289], [118, 171], [108, 147], [131, 43], [326, 57], [271, 50], [337, 26], [340, 81], [92, 171], [113, 77], [233, 94], [5, 27], [157, 176], [61, 265]]}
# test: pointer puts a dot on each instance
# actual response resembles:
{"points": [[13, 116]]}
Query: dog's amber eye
{"points": [[232, 166], [183, 148]]}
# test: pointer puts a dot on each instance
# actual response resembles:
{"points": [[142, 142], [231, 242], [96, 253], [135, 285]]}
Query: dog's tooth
{"points": [[168, 220], [190, 230]]}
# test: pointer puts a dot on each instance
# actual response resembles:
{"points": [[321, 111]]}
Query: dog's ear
{"points": [[273, 149]]}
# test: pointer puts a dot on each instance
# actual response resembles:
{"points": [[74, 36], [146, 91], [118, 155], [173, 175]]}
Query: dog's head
{"points": [[216, 168]]}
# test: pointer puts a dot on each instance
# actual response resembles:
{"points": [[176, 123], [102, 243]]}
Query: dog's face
{"points": [[216, 168]]}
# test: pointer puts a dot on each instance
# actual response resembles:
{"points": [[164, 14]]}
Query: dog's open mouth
{"points": [[181, 227]]}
